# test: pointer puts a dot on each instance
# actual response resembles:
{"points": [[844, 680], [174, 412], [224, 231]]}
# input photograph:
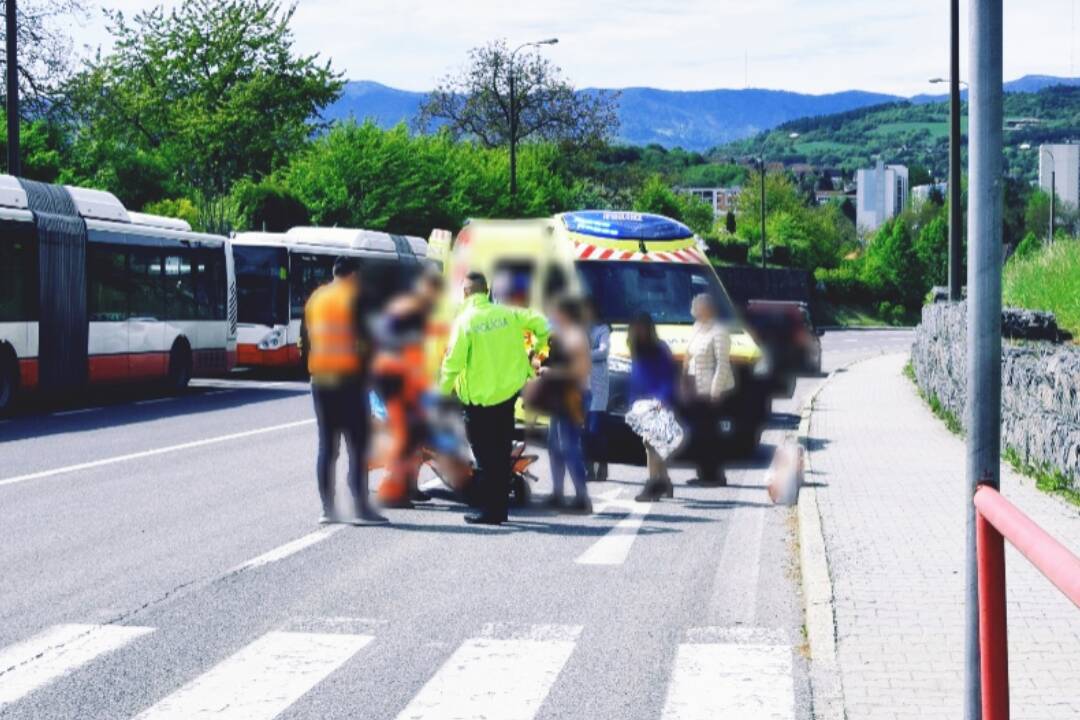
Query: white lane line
{"points": [[614, 547], [750, 678], [149, 453], [262, 679], [289, 548], [505, 677], [53, 653], [80, 411], [217, 392], [154, 401]]}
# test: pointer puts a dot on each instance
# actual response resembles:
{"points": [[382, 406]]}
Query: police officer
{"points": [[337, 346], [486, 365]]}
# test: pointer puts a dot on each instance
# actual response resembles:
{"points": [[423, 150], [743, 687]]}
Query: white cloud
{"points": [[803, 45]]}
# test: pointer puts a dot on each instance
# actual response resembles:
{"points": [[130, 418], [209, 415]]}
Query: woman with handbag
{"points": [[652, 377], [708, 380], [566, 377]]}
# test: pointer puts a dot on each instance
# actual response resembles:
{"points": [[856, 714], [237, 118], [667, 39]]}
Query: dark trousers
{"points": [[490, 429], [342, 410], [703, 416]]}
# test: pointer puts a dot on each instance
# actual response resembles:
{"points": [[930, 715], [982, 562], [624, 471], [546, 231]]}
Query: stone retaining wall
{"points": [[1040, 387]]}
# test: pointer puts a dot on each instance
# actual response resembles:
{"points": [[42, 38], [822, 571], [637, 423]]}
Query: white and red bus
{"points": [[91, 293], [276, 272]]}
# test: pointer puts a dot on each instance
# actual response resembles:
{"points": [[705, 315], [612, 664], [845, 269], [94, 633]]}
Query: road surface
{"points": [[161, 560]]}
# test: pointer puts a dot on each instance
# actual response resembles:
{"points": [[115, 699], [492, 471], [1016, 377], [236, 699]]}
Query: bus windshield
{"points": [[663, 290], [262, 286]]}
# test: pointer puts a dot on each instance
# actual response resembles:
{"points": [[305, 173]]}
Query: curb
{"points": [[866, 328], [826, 684]]}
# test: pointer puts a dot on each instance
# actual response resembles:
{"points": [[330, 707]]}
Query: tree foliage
{"points": [[198, 97], [45, 52], [362, 176], [477, 103]]}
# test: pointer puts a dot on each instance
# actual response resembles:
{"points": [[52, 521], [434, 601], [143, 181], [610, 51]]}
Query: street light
{"points": [[761, 160], [956, 211], [1053, 185], [514, 113], [11, 32]]}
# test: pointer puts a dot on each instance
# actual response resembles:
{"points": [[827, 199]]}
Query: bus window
{"points": [[379, 281], [209, 282], [262, 285], [106, 283], [145, 300], [306, 273], [18, 278]]}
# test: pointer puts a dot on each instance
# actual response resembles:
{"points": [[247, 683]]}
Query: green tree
{"points": [[656, 196], [200, 96], [1037, 213], [932, 250], [266, 206]]}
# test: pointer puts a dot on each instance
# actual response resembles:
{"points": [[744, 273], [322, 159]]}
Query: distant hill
{"points": [[695, 120], [915, 134]]}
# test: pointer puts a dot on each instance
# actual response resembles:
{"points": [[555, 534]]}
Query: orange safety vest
{"points": [[331, 329]]}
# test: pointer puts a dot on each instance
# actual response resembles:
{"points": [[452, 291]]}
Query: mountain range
{"points": [[694, 120]]}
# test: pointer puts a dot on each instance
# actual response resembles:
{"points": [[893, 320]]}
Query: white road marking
{"points": [[505, 675], [261, 680], [731, 673], [154, 401], [289, 548], [614, 547], [80, 411], [149, 453], [53, 653], [217, 392]]}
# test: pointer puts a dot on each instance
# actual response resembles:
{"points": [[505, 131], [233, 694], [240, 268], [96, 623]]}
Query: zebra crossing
{"points": [[505, 671]]}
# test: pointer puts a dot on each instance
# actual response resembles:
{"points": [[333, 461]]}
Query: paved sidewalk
{"points": [[891, 507]]}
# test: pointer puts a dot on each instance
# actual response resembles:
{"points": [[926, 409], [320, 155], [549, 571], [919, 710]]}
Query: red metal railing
{"points": [[999, 520]]}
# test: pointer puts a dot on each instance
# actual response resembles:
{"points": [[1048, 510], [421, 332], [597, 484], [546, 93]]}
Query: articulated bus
{"points": [[91, 293], [276, 272]]}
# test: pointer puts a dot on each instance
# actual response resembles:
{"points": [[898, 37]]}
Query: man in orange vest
{"points": [[337, 347]]}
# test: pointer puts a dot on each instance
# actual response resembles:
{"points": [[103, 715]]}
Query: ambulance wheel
{"points": [[179, 366], [520, 492], [9, 379]]}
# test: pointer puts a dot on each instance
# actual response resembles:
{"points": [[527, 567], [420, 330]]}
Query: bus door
{"points": [[107, 307], [148, 356]]}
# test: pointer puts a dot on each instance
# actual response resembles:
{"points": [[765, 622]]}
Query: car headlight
{"points": [[618, 364], [763, 367], [273, 339]]}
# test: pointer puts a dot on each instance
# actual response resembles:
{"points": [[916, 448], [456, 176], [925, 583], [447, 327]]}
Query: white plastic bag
{"points": [[785, 475], [656, 425]]}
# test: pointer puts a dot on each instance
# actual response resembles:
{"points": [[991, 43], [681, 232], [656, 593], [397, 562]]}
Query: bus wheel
{"points": [[9, 379], [179, 367]]}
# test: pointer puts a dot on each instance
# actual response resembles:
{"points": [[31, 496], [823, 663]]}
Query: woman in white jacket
{"points": [[709, 379]]}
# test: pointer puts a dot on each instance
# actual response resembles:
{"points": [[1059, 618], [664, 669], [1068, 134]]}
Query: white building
{"points": [[721, 199], [922, 193], [881, 193], [1064, 162]]}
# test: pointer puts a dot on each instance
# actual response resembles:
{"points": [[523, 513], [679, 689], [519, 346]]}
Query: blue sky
{"points": [[805, 45]]}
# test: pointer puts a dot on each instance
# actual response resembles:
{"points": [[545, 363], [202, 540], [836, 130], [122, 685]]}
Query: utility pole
{"points": [[956, 213], [1053, 196], [985, 201], [14, 166]]}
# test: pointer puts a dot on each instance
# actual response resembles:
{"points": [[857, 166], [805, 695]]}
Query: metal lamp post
{"points": [[14, 167], [514, 112], [956, 211]]}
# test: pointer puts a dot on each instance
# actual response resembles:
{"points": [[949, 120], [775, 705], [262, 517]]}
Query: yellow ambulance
{"points": [[628, 263]]}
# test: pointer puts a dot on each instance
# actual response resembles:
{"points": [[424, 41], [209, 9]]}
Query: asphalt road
{"points": [[160, 558]]}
